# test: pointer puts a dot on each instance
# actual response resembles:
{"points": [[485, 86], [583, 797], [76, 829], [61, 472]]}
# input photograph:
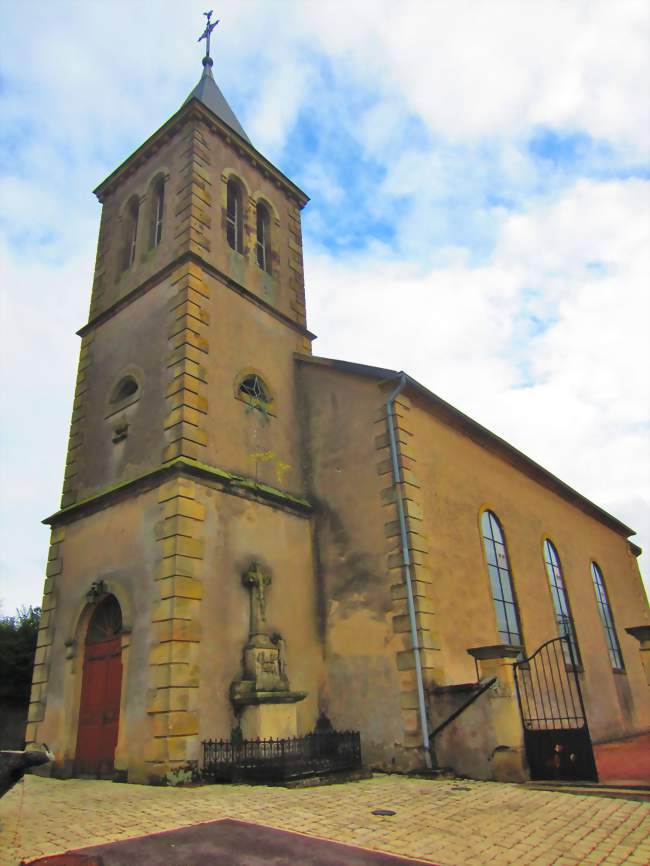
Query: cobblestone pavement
{"points": [[446, 822]]}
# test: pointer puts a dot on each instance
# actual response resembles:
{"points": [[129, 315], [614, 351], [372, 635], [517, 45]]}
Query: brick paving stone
{"points": [[491, 823]]}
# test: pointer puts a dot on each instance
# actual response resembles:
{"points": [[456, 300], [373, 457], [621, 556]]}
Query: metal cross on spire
{"points": [[209, 27]]}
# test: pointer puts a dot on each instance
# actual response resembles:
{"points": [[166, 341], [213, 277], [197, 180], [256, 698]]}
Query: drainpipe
{"points": [[406, 558]]}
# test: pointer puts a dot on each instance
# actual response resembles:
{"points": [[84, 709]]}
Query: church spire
{"points": [[207, 91]]}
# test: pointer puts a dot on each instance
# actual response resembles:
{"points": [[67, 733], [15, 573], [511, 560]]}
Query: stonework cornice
{"points": [[196, 111], [228, 482], [155, 279]]}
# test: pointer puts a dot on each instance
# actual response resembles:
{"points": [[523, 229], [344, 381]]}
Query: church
{"points": [[252, 537]]}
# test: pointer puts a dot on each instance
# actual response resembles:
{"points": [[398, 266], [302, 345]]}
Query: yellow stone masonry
{"points": [[45, 639], [184, 426], [75, 442], [420, 573], [173, 658]]}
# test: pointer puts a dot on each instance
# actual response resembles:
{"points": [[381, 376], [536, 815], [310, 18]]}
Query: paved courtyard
{"points": [[452, 823]]}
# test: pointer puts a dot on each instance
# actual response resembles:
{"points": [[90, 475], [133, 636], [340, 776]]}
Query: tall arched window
{"points": [[234, 216], [130, 232], [505, 604], [563, 616], [157, 211], [613, 646], [263, 237]]}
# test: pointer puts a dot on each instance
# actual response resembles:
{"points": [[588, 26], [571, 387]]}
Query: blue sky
{"points": [[479, 178]]}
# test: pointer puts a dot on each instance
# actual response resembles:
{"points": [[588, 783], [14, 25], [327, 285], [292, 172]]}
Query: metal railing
{"points": [[548, 688], [281, 759]]}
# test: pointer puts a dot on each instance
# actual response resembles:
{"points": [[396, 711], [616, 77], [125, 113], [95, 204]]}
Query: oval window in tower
{"points": [[253, 390], [125, 388]]}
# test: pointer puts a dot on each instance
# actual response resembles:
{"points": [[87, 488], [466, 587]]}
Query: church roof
{"points": [[481, 435], [207, 91]]}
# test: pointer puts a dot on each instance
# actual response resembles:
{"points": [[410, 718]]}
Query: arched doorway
{"points": [[99, 710]]}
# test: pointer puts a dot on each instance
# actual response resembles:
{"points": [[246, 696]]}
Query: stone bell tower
{"points": [[183, 463]]}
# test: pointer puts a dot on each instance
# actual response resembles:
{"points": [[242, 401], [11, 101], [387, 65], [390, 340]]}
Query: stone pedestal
{"points": [[269, 720], [262, 699], [509, 757]]}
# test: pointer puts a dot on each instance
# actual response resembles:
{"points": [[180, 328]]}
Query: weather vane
{"points": [[209, 27]]}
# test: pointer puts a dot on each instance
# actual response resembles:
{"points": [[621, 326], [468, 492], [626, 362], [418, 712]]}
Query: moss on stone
{"points": [[227, 478]]}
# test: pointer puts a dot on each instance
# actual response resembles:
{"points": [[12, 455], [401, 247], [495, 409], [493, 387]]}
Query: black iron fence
{"points": [[282, 759]]}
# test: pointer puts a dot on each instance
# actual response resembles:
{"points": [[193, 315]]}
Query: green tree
{"points": [[18, 635]]}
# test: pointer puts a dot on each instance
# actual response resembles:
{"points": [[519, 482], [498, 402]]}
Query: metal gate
{"points": [[556, 733]]}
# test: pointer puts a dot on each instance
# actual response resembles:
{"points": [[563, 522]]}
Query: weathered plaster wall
{"points": [[133, 342], [363, 687], [237, 531], [116, 545], [112, 281], [458, 478], [284, 287], [246, 339], [196, 163]]}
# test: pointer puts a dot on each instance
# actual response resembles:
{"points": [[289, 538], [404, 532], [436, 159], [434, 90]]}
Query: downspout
{"points": [[406, 558]]}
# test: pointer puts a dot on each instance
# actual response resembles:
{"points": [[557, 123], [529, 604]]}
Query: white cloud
{"points": [[585, 410]]}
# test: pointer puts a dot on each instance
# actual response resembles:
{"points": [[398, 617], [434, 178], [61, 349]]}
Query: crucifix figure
{"points": [[209, 27], [255, 580]]}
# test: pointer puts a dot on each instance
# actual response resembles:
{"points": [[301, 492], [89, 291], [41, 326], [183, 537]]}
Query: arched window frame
{"points": [[497, 563], [131, 219], [235, 214], [106, 621], [116, 401], [157, 211], [122, 393], [561, 605], [607, 618], [263, 243], [259, 397]]}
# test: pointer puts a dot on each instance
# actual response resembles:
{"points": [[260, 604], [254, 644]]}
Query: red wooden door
{"points": [[99, 712]]}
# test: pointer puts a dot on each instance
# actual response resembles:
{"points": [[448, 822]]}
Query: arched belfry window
{"points": [[263, 237], [613, 646], [235, 215], [130, 232], [498, 565], [565, 625], [157, 212]]}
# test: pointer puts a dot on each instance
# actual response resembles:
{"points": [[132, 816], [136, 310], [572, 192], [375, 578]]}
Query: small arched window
{"points": [[498, 565], [263, 237], [613, 646], [253, 390], [157, 211], [565, 625], [130, 233], [126, 387], [234, 215]]}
